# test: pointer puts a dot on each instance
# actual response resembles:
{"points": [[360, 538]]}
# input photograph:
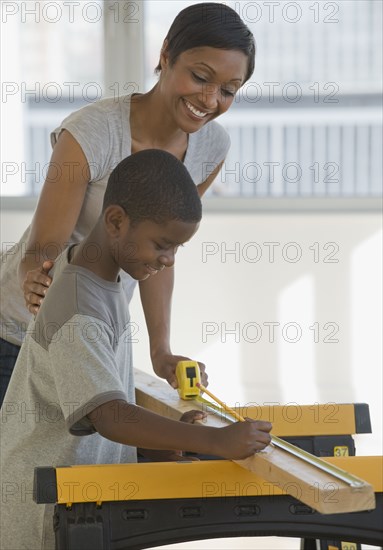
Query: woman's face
{"points": [[201, 84]]}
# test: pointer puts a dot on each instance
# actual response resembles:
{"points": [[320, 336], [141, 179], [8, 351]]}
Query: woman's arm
{"points": [[204, 186], [56, 215], [156, 295]]}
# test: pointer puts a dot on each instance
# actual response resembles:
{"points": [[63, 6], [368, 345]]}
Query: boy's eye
{"points": [[158, 246]]}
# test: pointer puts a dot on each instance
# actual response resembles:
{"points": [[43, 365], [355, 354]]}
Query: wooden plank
{"points": [[318, 489], [307, 483], [156, 395]]}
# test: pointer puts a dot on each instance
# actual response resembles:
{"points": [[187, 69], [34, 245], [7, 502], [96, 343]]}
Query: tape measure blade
{"points": [[215, 409]]}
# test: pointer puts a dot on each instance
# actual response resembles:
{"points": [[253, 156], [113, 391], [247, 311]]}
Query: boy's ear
{"points": [[114, 217]]}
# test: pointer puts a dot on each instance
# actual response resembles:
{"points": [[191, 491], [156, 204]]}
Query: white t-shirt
{"points": [[76, 356]]}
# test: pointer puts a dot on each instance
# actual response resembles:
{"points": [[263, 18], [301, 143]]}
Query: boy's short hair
{"points": [[153, 185]]}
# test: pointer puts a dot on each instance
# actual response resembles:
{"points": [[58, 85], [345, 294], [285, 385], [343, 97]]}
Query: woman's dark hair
{"points": [[212, 25], [153, 185]]}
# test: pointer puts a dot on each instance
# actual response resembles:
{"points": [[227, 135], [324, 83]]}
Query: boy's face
{"points": [[148, 247]]}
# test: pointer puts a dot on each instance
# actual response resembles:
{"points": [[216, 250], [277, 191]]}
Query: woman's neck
{"points": [[152, 127]]}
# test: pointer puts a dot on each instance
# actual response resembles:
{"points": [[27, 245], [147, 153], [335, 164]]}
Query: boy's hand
{"points": [[243, 439], [170, 456], [35, 286], [164, 365]]}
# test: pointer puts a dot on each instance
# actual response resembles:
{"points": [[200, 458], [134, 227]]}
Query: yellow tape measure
{"points": [[188, 375]]}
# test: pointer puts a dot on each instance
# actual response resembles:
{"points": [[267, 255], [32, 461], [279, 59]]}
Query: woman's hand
{"points": [[164, 365], [35, 286]]}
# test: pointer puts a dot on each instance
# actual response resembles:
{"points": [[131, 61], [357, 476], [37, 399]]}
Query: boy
{"points": [[74, 373]]}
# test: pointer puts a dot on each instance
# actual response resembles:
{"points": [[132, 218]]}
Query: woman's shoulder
{"points": [[98, 119], [213, 128], [213, 137], [213, 132], [106, 106]]}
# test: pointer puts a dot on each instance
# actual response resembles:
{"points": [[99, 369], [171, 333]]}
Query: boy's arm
{"points": [[165, 456], [132, 425]]}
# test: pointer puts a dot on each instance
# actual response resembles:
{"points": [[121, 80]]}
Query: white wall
{"points": [[217, 291], [228, 291]]}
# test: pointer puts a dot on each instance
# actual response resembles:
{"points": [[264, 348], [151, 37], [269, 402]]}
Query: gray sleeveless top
{"points": [[102, 129]]}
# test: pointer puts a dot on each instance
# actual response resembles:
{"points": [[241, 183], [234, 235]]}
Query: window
{"points": [[52, 64], [308, 123]]}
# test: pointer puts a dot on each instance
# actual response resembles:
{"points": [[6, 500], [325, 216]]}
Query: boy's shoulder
{"points": [[77, 292]]}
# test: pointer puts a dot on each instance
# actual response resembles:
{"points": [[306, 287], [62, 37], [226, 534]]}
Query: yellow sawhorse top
{"points": [[199, 479]]}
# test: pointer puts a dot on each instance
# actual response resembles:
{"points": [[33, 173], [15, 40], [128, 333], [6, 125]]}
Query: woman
{"points": [[207, 55]]}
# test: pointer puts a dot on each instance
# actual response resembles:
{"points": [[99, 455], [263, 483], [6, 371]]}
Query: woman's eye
{"points": [[198, 78], [228, 93], [158, 246]]}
